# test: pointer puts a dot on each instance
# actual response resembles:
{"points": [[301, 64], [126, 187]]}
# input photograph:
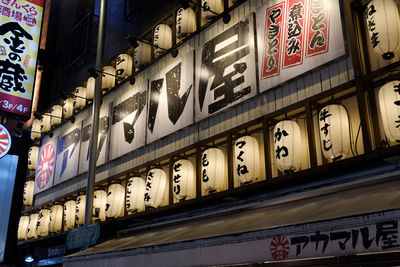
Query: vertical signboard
{"points": [[20, 26], [46, 164]]}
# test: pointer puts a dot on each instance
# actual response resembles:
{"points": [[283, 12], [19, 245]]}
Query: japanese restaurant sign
{"points": [[20, 26]]}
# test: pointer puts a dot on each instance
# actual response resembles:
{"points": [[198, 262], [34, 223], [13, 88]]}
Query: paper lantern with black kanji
{"points": [[35, 129], [213, 170], [99, 205], [142, 55], [156, 186], [68, 107], [45, 123], [69, 215], [162, 38], [29, 186], [108, 77], [184, 181], [135, 190], [32, 157], [247, 159], [42, 225], [56, 218], [334, 131], [389, 106], [115, 201], [287, 146], [90, 87], [31, 232], [80, 210], [185, 22], [215, 5], [79, 97], [124, 66], [23, 227], [56, 115], [383, 24]]}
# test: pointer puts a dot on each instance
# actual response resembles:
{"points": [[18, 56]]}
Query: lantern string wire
{"points": [[358, 134]]}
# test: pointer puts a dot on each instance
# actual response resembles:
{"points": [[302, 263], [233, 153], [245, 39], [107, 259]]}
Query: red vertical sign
{"points": [[318, 28]]}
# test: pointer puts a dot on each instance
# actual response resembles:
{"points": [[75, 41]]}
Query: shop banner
{"points": [[46, 164]]}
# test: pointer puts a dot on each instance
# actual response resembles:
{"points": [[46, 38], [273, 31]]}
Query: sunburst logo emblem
{"points": [[46, 166], [5, 141]]}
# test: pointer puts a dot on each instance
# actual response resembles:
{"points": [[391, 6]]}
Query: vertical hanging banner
{"points": [[225, 68], [46, 164], [20, 26], [171, 98], [295, 36]]}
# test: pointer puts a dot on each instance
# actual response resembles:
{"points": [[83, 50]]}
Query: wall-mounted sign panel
{"points": [[20, 26], [295, 36], [225, 69], [5, 141], [46, 164], [170, 98]]}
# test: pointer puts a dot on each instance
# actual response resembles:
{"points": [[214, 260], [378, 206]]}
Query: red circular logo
{"points": [[46, 166], [5, 141], [279, 247]]}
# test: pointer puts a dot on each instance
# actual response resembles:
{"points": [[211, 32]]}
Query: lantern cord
{"points": [[351, 147], [358, 134]]}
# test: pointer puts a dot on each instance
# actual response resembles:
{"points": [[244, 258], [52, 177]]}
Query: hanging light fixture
{"points": [[211, 5], [115, 201], [32, 157], [31, 232], [124, 66], [69, 214], [79, 97], [45, 123], [56, 218], [156, 186], [99, 205], [184, 183], [29, 186], [185, 22], [35, 129], [80, 210], [68, 107], [23, 227], [56, 115], [162, 38], [108, 77], [389, 105], [213, 170], [42, 225], [135, 190], [90, 88], [247, 162], [142, 55], [334, 131], [287, 140]]}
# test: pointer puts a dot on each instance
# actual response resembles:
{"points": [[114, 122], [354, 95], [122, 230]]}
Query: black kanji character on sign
{"points": [[324, 114], [241, 144], [298, 240], [204, 161], [147, 197], [326, 146], [295, 12], [239, 157], [318, 237], [176, 178], [387, 232], [177, 189], [12, 76], [177, 167], [205, 176], [241, 169], [318, 40], [293, 46], [276, 13], [278, 134], [278, 151], [374, 39], [324, 129]]}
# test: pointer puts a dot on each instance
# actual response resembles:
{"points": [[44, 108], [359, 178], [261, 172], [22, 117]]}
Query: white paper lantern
{"points": [[185, 22], [108, 77], [42, 225], [383, 24], [32, 157], [23, 227], [29, 186], [215, 5], [389, 104], [124, 66], [45, 123], [35, 129], [184, 181], [69, 215], [213, 170], [247, 159], [142, 55], [56, 218], [162, 38], [56, 115], [90, 87], [115, 201], [79, 97], [287, 146], [99, 205], [80, 210], [135, 190], [68, 107], [31, 232], [156, 185], [334, 131]]}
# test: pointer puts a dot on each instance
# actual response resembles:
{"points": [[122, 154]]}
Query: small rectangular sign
{"points": [[83, 236]]}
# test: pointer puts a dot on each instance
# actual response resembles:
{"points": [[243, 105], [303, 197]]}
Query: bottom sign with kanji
{"points": [[83, 236]]}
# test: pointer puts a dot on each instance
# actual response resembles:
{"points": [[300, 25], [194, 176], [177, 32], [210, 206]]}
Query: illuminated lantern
{"points": [[79, 97], [185, 22], [215, 5], [135, 190], [287, 145], [56, 115], [23, 227], [142, 55], [28, 193], [184, 183], [99, 205], [124, 66], [334, 131], [213, 169], [389, 104], [68, 107], [156, 184], [108, 77], [383, 23], [31, 232], [247, 162], [32, 157], [80, 210], [90, 88], [56, 218], [45, 123], [42, 225], [35, 129], [162, 38], [69, 214], [115, 201]]}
